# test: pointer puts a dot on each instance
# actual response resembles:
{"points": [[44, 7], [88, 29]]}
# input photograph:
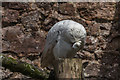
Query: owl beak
{"points": [[76, 45]]}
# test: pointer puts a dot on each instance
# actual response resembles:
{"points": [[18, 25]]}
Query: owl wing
{"points": [[48, 58]]}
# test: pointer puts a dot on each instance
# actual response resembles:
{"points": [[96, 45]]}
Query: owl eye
{"points": [[56, 41]]}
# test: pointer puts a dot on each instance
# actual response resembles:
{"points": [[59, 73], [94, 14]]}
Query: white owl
{"points": [[64, 40]]}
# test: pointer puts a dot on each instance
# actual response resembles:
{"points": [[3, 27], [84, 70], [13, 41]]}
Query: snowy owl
{"points": [[64, 40]]}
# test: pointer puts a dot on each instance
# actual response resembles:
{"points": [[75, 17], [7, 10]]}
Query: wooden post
{"points": [[69, 69]]}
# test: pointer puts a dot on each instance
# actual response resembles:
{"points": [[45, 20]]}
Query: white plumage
{"points": [[64, 40]]}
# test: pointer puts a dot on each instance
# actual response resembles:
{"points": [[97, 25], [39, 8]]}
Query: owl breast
{"points": [[63, 49]]}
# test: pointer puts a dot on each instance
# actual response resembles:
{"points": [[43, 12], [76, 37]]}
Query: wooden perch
{"points": [[23, 67], [69, 69]]}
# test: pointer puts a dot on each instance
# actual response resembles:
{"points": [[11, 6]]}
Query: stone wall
{"points": [[25, 26]]}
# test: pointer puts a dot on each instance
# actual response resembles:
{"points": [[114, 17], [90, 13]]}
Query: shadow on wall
{"points": [[110, 60]]}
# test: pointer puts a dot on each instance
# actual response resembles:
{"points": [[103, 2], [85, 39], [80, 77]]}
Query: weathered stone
{"points": [[91, 40], [91, 48], [105, 29], [98, 54], [92, 69], [5, 73], [15, 39], [86, 55], [31, 20], [100, 29], [88, 40], [15, 5], [106, 11], [66, 9], [10, 16], [46, 6], [114, 44], [33, 6], [86, 10], [110, 65], [49, 22], [97, 11]]}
